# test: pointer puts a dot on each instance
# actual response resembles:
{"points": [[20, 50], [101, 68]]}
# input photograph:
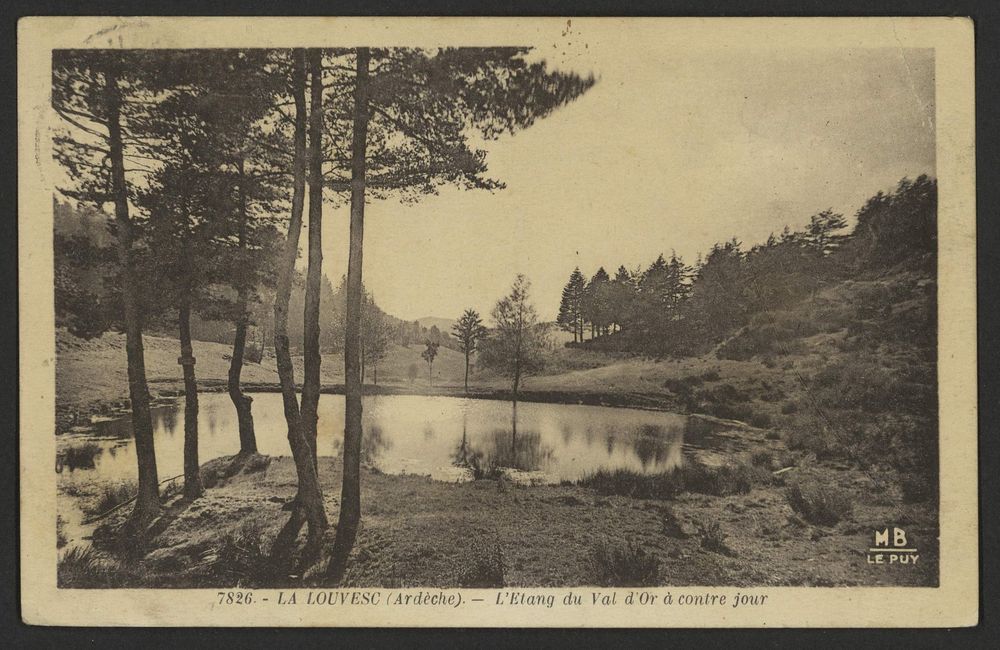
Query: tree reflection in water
{"points": [[373, 444], [656, 446], [166, 418]]}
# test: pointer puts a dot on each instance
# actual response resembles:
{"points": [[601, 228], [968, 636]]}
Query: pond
{"points": [[416, 434]]}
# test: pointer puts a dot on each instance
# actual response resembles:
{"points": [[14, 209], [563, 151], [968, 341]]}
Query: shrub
{"points": [[710, 375], [769, 333], [810, 435], [112, 495], [242, 558], [483, 566], [670, 525], [761, 421], [740, 412], [81, 567], [712, 537], [489, 471], [81, 456], [857, 384], [789, 408], [819, 504], [724, 480], [624, 482], [623, 564], [761, 458]]}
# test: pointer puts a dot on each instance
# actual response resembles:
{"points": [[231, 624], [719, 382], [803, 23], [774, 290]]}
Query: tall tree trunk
{"points": [[314, 273], [309, 500], [466, 371], [350, 495], [192, 468], [243, 403], [147, 503]]}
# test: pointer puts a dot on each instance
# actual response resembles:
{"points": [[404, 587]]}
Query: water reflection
{"points": [[424, 435]]}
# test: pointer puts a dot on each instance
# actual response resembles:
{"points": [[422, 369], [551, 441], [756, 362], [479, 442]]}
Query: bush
{"points": [[112, 495], [81, 567], [788, 408], [761, 458], [670, 525], [819, 504], [483, 566], [810, 435], [80, 456], [724, 480], [623, 564], [859, 385], [712, 538], [489, 471], [761, 421], [624, 482], [710, 375], [242, 558], [769, 333]]}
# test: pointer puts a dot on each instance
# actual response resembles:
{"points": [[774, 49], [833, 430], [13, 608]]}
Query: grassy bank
{"points": [[418, 532]]}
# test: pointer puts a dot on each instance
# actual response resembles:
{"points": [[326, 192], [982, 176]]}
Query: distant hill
{"points": [[443, 324]]}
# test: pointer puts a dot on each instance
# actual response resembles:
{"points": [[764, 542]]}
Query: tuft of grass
{"points": [[241, 558], [483, 566], [718, 481], [724, 480], [823, 505], [713, 538], [623, 564], [60, 532], [670, 525], [790, 407], [489, 471], [80, 567], [82, 456], [624, 482], [113, 494]]}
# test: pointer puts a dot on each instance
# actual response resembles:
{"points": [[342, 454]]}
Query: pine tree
{"points": [[101, 97], [571, 305], [469, 331], [406, 131]]}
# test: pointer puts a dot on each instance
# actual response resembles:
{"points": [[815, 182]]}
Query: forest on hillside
{"points": [[87, 298], [673, 308]]}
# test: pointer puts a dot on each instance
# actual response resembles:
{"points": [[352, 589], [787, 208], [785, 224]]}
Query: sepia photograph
{"points": [[591, 309]]}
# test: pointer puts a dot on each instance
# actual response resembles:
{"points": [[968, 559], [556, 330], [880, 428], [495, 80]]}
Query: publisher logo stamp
{"points": [[890, 546]]}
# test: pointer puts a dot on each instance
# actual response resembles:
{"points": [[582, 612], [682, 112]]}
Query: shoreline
{"points": [[116, 409], [421, 531]]}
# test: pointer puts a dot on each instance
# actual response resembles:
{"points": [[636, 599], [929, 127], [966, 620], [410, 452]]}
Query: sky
{"points": [[677, 146], [670, 152]]}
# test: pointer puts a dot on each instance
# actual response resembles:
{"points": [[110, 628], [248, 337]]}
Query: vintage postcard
{"points": [[497, 322]]}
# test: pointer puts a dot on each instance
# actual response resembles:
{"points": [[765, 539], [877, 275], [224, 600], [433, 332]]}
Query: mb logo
{"points": [[891, 547]]}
